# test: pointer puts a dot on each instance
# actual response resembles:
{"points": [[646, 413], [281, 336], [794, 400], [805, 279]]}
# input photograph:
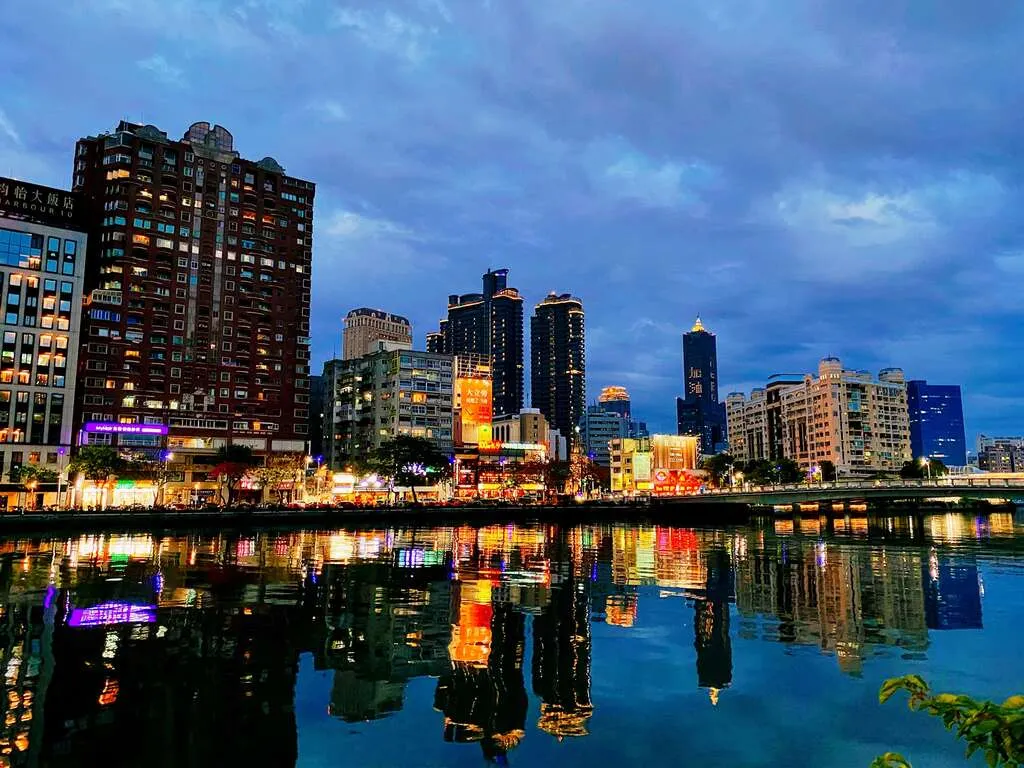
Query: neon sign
{"points": [[115, 428]]}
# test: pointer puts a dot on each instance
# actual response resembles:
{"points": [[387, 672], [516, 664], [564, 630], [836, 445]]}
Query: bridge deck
{"points": [[847, 491]]}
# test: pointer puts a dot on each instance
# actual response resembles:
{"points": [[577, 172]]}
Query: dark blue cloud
{"points": [[811, 177]]}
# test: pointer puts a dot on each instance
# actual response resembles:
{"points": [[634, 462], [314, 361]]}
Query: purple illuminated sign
{"points": [[112, 613], [114, 428]]}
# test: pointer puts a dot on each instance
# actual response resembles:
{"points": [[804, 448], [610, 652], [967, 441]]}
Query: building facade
{"points": [[197, 293], [858, 423], [598, 428], [699, 412], [936, 415], [364, 327], [755, 426], [660, 464], [488, 323], [558, 375], [615, 400], [377, 397], [43, 244], [1001, 454], [527, 426]]}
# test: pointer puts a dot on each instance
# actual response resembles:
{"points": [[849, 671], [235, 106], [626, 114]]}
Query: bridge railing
{"points": [[945, 483]]}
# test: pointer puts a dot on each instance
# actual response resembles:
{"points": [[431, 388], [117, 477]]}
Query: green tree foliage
{"points": [[278, 471], [828, 471], [410, 461], [765, 472], [99, 463], [718, 468], [923, 468], [32, 476], [231, 464], [996, 730]]}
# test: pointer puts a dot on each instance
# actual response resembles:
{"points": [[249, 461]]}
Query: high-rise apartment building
{"points": [[197, 293], [937, 422], [698, 412], [42, 263], [755, 425], [558, 375], [858, 423], [488, 323], [364, 327], [385, 394]]}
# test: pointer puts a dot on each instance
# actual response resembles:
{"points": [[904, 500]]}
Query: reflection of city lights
{"points": [[109, 693]]}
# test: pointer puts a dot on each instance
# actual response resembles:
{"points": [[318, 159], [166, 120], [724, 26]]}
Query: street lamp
{"points": [[61, 453], [927, 464], [165, 457]]}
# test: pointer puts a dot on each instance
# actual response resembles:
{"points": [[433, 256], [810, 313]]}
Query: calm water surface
{"points": [[522, 645]]}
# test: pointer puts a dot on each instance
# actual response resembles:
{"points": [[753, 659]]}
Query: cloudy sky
{"points": [[812, 176]]}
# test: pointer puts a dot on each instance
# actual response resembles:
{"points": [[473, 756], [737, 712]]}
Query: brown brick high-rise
{"points": [[196, 292]]}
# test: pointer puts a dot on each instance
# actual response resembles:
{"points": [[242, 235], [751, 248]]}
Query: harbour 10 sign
{"points": [[43, 205]]}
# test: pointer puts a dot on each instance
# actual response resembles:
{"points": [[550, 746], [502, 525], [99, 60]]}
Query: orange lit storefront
{"points": [[500, 471]]}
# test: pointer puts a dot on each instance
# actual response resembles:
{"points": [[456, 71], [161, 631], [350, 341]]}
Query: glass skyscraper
{"points": [[936, 422]]}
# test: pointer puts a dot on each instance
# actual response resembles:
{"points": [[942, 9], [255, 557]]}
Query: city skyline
{"points": [[414, 201]]}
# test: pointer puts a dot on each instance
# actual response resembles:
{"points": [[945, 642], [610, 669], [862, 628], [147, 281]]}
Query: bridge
{"points": [[856, 492]]}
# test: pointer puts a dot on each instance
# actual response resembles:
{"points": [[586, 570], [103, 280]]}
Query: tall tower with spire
{"points": [[698, 411]]}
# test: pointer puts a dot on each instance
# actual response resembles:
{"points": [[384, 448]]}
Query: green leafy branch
{"points": [[997, 730]]}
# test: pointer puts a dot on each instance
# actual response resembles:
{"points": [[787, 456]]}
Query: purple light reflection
{"points": [[112, 613]]}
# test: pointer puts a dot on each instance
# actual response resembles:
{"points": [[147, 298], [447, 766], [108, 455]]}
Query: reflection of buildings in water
{"points": [[844, 599], [952, 590], [25, 630], [224, 677], [384, 625], [561, 660], [711, 626], [482, 695]]}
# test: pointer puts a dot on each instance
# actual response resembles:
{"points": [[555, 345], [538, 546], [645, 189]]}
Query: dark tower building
{"points": [[558, 376], [936, 422], [197, 291], [488, 323], [699, 412]]}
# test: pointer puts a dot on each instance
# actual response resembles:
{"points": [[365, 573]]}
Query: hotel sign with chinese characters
{"points": [[115, 428], [42, 205]]}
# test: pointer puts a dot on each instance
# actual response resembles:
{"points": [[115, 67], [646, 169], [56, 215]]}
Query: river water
{"points": [[532, 645]]}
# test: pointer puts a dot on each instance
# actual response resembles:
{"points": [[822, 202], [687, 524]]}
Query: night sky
{"points": [[812, 177]]}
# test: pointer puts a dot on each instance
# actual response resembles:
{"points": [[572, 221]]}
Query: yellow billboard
{"points": [[473, 407]]}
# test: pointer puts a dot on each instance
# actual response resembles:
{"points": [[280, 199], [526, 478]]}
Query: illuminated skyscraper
{"points": [[698, 412], [488, 323], [558, 376], [615, 400]]}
